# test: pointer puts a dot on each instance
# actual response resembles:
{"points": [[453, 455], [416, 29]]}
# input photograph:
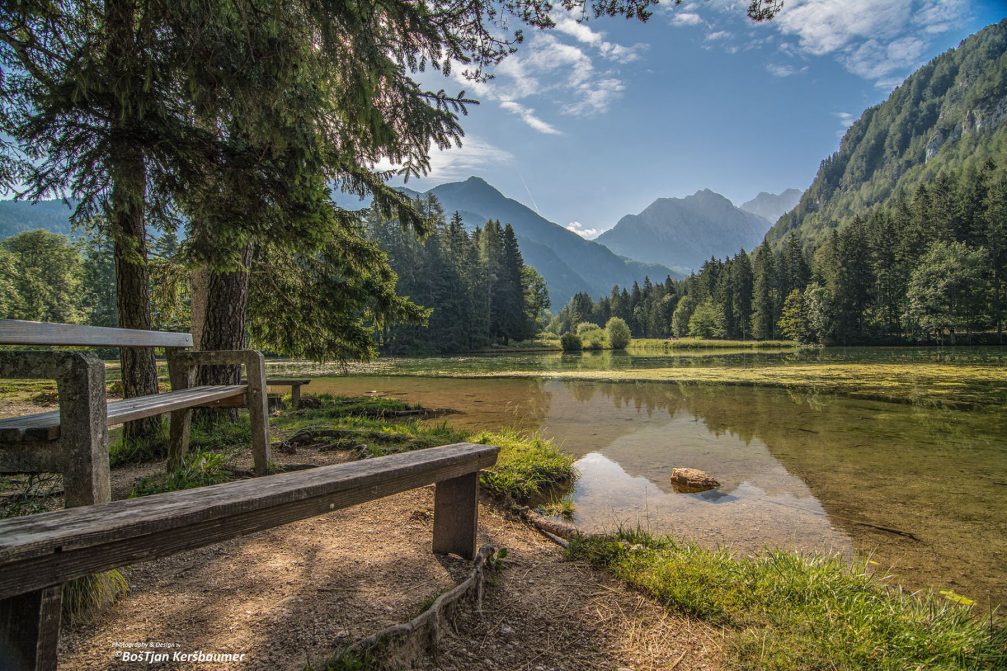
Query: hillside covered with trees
{"points": [[948, 116]]}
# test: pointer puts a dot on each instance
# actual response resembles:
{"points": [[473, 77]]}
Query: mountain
{"points": [[17, 217], [568, 262], [682, 233], [771, 206], [948, 116]]}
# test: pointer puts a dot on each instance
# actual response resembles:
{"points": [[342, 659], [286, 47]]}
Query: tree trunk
{"points": [[224, 318], [127, 173], [139, 370]]}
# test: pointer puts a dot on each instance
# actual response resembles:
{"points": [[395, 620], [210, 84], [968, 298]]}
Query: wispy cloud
{"points": [[845, 121], [879, 40], [579, 30], [527, 115], [582, 231], [474, 156], [551, 72], [784, 70]]}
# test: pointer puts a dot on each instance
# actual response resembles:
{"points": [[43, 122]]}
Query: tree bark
{"points": [[139, 370], [223, 322], [127, 173]]}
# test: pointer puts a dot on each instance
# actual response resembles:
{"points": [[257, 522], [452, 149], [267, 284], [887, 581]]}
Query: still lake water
{"points": [[798, 471]]}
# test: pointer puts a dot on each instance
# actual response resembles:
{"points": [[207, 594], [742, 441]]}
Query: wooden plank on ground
{"points": [[49, 548], [18, 332]]}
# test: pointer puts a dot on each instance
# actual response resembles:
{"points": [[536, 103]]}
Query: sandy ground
{"points": [[298, 593]]}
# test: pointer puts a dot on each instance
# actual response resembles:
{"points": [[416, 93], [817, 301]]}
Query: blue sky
{"points": [[592, 121]]}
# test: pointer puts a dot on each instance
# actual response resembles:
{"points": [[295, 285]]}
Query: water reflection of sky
{"points": [[797, 470]]}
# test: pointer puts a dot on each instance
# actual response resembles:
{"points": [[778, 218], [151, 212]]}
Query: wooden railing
{"points": [[38, 553]]}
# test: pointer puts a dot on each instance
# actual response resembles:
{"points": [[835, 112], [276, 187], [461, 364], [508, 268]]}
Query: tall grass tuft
{"points": [[528, 466], [84, 597], [787, 612]]}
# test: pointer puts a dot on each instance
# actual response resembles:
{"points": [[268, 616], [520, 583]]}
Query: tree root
{"points": [[558, 532], [401, 645]]}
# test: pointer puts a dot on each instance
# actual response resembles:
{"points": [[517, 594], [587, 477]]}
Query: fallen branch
{"points": [[400, 645]]}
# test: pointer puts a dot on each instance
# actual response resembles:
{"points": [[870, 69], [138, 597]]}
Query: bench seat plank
{"points": [[45, 426], [50, 548]]}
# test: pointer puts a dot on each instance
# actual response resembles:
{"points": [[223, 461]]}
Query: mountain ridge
{"points": [[772, 206], [682, 233]]}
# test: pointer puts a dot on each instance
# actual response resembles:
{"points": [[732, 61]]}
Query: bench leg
{"points": [[295, 396], [178, 439], [258, 411], [83, 433], [456, 515], [29, 630]]}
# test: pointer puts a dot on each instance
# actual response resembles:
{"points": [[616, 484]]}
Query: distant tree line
{"points": [[476, 286], [930, 266]]}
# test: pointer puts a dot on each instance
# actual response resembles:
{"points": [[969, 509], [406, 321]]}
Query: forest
{"points": [[930, 266]]}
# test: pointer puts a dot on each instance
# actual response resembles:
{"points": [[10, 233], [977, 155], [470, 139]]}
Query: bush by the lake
{"points": [[619, 336], [781, 611], [570, 342]]}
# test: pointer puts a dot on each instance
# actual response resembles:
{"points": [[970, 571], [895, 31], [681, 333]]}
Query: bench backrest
{"points": [[18, 332]]}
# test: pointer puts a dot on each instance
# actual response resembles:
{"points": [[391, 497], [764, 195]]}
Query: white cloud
{"points": [[566, 23], [845, 119], [718, 35], [682, 18], [564, 74], [474, 156], [877, 40], [784, 70], [527, 115], [579, 229]]}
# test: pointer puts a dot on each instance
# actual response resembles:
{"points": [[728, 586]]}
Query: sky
{"points": [[593, 120]]}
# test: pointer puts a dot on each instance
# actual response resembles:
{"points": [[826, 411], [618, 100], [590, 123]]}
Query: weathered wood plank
{"points": [[45, 426], [49, 548], [18, 332], [278, 382]]}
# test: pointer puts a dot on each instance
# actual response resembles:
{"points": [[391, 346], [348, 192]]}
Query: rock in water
{"points": [[691, 480]]}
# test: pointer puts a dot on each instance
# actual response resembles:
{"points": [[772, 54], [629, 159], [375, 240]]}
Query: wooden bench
{"points": [[295, 388], [38, 553], [74, 440]]}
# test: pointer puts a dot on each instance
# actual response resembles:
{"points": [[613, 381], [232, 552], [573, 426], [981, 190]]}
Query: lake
{"points": [[919, 491]]}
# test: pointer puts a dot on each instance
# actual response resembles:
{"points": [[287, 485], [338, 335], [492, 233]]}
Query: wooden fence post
{"points": [[181, 373], [456, 515], [258, 410], [83, 431]]}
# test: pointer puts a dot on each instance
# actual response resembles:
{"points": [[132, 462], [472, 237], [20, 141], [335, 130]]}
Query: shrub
{"points": [[593, 338], [570, 342], [619, 335], [585, 327]]}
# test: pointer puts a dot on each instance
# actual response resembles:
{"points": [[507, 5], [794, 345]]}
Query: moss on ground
{"points": [[781, 611]]}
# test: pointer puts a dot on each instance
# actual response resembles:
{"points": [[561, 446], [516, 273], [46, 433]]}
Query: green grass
{"points": [[198, 469], [527, 469], [139, 451], [84, 597], [781, 611]]}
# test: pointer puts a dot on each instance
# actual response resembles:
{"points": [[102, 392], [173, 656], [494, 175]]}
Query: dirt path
{"points": [[297, 593]]}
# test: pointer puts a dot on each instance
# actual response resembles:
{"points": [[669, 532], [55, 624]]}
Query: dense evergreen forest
{"points": [[929, 267], [476, 285]]}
